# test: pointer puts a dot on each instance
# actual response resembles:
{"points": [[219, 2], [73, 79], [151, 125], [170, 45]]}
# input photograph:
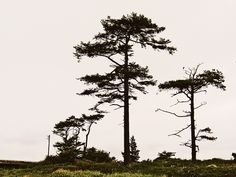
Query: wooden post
{"points": [[48, 145]]}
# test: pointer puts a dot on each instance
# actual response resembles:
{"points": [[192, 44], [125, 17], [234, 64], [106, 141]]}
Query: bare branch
{"points": [[117, 105], [179, 131], [187, 144], [202, 104], [172, 113], [200, 91], [109, 58], [182, 92], [186, 112], [179, 102]]}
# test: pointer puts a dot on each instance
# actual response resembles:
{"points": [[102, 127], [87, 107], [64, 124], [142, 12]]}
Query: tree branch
{"points": [[172, 113], [118, 106], [179, 131], [179, 102], [202, 104], [200, 91]]}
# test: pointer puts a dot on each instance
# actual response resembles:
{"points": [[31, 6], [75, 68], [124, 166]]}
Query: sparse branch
{"points": [[172, 113], [179, 131], [200, 91], [181, 92], [202, 104], [179, 102], [117, 105]]}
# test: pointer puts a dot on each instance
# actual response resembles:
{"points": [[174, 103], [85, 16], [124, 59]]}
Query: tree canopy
{"points": [[116, 44]]}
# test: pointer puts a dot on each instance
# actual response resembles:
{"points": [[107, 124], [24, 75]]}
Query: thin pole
{"points": [[48, 145]]}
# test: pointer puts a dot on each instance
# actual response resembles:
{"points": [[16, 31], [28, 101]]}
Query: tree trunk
{"points": [[126, 111], [193, 137], [86, 140]]}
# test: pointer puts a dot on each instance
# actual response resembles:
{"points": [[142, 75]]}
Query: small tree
{"points": [[134, 152], [69, 131], [193, 84], [116, 45]]}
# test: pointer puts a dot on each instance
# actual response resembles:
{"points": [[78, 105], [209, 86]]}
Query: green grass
{"points": [[162, 168]]}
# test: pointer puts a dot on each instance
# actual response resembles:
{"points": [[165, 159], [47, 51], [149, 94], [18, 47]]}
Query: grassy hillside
{"points": [[162, 168]]}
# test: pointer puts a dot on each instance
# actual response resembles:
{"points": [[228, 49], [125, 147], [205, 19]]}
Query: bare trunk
{"points": [[193, 137], [126, 112], [86, 140]]}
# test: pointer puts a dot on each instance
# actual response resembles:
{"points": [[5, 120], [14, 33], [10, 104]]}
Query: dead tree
{"points": [[193, 84]]}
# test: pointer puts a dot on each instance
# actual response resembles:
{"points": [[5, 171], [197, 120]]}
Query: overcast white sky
{"points": [[38, 74]]}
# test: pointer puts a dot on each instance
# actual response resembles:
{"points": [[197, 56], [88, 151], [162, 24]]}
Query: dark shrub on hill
{"points": [[97, 155], [164, 155], [61, 158], [234, 156]]}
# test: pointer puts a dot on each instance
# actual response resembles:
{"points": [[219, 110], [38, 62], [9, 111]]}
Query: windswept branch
{"points": [[172, 113]]}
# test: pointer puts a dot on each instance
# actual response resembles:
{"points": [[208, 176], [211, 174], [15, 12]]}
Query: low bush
{"points": [[97, 155], [234, 156]]}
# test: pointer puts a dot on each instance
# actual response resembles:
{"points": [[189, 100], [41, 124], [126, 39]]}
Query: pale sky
{"points": [[38, 74]]}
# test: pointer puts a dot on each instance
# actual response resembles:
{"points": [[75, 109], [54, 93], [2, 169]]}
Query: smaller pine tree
{"points": [[134, 152]]}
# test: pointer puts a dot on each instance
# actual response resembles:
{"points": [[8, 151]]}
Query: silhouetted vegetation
{"points": [[116, 44], [134, 152], [162, 168], [96, 155], [164, 155], [234, 156], [193, 84], [69, 130], [116, 88]]}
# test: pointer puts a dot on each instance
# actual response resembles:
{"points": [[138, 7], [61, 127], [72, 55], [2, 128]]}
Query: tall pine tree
{"points": [[116, 44]]}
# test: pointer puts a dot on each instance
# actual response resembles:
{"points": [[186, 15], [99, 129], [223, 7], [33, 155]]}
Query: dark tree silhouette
{"points": [[116, 45], [134, 152], [193, 84], [90, 120], [234, 156], [69, 131], [164, 155], [97, 155]]}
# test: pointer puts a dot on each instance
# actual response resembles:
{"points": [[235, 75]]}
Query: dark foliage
{"points": [[164, 155], [96, 155], [193, 84], [69, 149], [134, 152], [234, 156], [116, 44]]}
